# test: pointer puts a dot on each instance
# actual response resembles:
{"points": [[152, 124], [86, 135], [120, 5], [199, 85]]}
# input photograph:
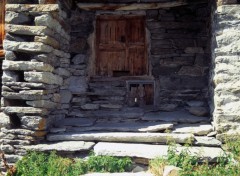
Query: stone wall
{"points": [[34, 71], [180, 55], [226, 59]]}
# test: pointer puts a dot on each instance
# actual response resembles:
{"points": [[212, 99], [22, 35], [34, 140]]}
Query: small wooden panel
{"points": [[2, 19], [120, 45]]}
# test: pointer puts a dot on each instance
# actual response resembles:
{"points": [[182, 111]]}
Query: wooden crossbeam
{"points": [[132, 6]]}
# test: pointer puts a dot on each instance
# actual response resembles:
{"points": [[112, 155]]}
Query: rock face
{"points": [[226, 73]]}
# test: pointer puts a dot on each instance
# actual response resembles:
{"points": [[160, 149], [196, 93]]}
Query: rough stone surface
{"points": [[26, 66], [196, 129], [171, 171], [66, 96], [25, 110], [207, 141], [198, 111], [77, 84], [122, 137], [17, 18], [127, 127], [69, 146], [43, 77], [34, 122], [176, 116], [153, 151], [32, 7], [42, 104], [4, 120]]}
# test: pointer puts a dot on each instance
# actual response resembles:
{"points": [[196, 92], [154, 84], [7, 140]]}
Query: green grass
{"points": [[225, 166], [41, 164]]}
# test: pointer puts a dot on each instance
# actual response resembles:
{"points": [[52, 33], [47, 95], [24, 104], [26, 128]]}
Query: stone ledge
{"points": [[25, 110], [153, 151], [122, 137], [43, 77]]}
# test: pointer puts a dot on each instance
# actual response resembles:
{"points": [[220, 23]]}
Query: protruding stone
{"points": [[10, 76], [48, 41], [43, 77], [207, 141], [32, 8], [27, 95], [69, 146], [26, 66]]}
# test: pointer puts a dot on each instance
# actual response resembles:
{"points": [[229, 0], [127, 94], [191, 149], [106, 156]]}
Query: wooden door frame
{"points": [[2, 26], [119, 16]]}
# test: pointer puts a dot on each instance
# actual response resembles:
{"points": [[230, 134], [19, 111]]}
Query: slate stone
{"points": [[77, 85], [43, 77], [176, 116], [121, 137], [126, 127], [69, 146], [153, 151], [79, 59], [66, 96], [196, 129]]}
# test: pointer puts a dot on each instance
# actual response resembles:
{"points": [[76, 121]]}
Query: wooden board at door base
{"points": [[2, 19], [121, 45]]}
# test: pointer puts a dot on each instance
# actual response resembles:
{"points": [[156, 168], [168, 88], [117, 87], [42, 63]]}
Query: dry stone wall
{"points": [[34, 71], [226, 59]]}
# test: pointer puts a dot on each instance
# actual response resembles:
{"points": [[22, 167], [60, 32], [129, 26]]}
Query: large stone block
{"points": [[26, 66], [17, 18], [43, 77], [27, 47], [10, 76], [27, 95], [4, 120], [48, 41]]}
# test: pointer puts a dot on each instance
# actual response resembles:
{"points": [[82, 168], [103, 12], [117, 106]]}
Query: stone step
{"points": [[67, 146], [122, 137], [120, 174], [153, 151], [176, 116], [122, 127]]}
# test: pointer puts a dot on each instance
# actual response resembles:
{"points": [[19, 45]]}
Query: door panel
{"points": [[120, 45]]}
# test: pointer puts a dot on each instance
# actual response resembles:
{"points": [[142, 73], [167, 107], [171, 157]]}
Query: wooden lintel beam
{"points": [[132, 6]]}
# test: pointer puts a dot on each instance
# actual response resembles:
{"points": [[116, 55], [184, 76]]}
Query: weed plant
{"points": [[190, 166], [41, 164]]}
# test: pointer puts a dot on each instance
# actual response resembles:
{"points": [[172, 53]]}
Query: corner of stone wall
{"points": [[226, 114], [34, 70]]}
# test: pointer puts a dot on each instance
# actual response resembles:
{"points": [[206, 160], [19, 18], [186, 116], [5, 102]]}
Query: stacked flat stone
{"points": [[226, 80], [34, 70]]}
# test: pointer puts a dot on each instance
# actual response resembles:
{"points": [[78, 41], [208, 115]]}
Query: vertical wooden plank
{"points": [[149, 94]]}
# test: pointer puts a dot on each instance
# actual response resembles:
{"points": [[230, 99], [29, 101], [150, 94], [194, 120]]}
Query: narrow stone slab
{"points": [[26, 66], [120, 174], [177, 116], [25, 110], [75, 122], [43, 77], [70, 146], [127, 127], [32, 7], [121, 137], [154, 151], [197, 129]]}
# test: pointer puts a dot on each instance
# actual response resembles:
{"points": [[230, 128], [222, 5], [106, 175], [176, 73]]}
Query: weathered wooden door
{"points": [[121, 46], [2, 33]]}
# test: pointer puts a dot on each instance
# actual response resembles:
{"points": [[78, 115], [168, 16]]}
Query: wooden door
{"points": [[2, 19], [120, 46]]}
